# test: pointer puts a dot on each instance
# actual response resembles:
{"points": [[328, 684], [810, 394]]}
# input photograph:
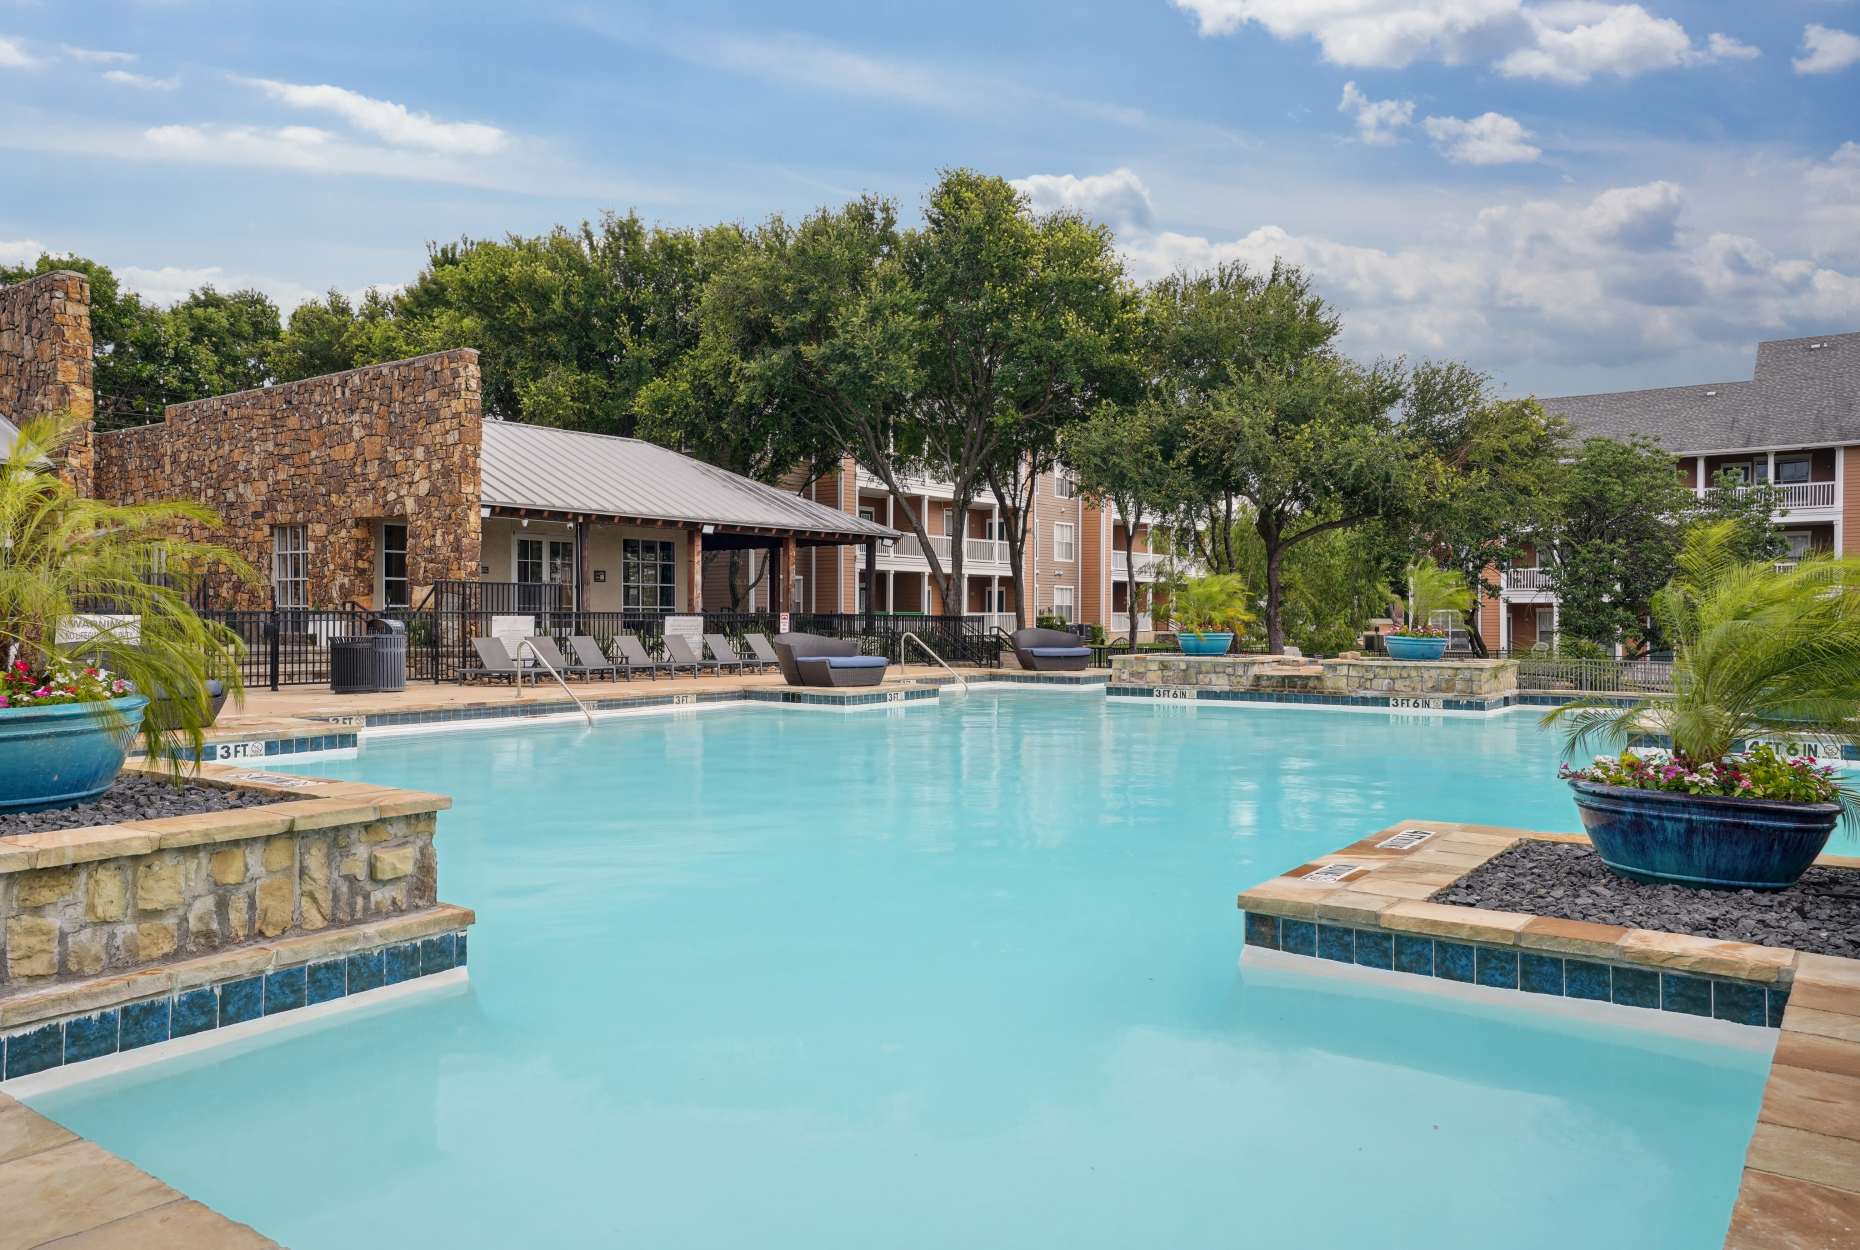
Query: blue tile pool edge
{"points": [[115, 1030], [1522, 970]]}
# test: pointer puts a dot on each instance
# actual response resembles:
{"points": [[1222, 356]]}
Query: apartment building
{"points": [[1794, 426], [1075, 562]]}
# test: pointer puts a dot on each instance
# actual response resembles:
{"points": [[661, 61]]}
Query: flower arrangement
{"points": [[21, 686], [1759, 773]]}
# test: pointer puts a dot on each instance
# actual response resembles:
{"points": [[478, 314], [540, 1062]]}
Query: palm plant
{"points": [[1213, 604], [63, 556], [1757, 653], [1432, 589]]}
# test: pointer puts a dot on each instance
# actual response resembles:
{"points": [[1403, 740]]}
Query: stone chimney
{"points": [[45, 361]]}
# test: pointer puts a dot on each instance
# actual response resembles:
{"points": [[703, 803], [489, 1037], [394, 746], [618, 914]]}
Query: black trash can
{"points": [[370, 663]]}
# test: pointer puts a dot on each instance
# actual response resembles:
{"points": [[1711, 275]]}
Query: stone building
{"points": [[374, 486]]}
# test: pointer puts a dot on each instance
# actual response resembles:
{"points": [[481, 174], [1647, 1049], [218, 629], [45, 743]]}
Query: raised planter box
{"points": [[1452, 678]]}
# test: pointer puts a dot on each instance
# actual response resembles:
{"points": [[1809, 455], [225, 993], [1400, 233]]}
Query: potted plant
{"points": [[1431, 589], [1759, 656], [1207, 611], [73, 699]]}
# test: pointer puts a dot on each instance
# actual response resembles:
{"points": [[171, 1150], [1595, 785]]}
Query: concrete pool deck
{"points": [[59, 1190], [1801, 1181]]}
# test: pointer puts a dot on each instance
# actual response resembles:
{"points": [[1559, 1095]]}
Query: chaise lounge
{"points": [[810, 660], [1049, 651]]}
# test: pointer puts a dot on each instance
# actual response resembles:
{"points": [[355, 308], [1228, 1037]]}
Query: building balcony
{"points": [[1120, 623], [1527, 579], [1792, 496], [1149, 566]]}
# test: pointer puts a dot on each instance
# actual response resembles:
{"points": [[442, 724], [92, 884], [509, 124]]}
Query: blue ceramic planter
{"points": [[67, 753], [1208, 643], [1401, 648], [1702, 840]]}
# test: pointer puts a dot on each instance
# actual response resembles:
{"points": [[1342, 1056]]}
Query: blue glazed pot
{"points": [[1401, 648], [63, 754], [1703, 840], [1209, 643]]}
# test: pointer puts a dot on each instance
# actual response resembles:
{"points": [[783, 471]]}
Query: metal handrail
{"points": [[908, 636], [524, 644]]}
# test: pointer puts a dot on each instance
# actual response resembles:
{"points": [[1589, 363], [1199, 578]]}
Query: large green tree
{"points": [[1620, 516], [1281, 428], [1124, 456], [1493, 481]]}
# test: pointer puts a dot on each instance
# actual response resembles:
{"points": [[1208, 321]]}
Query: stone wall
{"points": [[45, 359], [1463, 678], [237, 878], [337, 454]]}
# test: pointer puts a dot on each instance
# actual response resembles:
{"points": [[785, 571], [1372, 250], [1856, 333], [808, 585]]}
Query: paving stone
{"points": [[1782, 1213], [179, 1225], [24, 1131], [1784, 1151], [70, 1189], [1820, 1102]]}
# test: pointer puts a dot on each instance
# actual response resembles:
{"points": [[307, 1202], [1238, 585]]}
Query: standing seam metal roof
{"points": [[551, 470]]}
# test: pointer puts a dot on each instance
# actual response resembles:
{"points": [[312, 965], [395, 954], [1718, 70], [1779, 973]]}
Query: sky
{"points": [[1572, 195]]}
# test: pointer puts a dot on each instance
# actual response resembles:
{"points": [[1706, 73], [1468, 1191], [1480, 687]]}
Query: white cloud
{"points": [[1118, 198], [1488, 139], [1825, 50], [168, 284], [142, 82], [1376, 120], [97, 56], [1723, 47], [13, 55], [20, 251], [394, 123], [1577, 285], [1565, 41]]}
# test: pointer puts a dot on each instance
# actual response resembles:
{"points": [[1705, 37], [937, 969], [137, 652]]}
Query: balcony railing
{"points": [[1791, 495], [984, 551], [1120, 622], [1149, 565], [1527, 579]]}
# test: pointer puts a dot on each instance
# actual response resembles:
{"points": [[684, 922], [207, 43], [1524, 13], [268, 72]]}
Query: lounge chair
{"points": [[680, 650], [810, 660], [548, 654], [494, 660], [589, 657], [1049, 650], [760, 648], [727, 655], [633, 658]]}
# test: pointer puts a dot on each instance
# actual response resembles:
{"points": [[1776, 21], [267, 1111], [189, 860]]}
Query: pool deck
{"points": [[1801, 1179], [57, 1189]]}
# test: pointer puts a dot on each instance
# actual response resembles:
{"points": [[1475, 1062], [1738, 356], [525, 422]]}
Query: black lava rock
{"points": [[137, 796], [1820, 913]]}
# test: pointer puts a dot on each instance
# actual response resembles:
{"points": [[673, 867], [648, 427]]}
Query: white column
{"points": [[1698, 475], [1771, 471]]}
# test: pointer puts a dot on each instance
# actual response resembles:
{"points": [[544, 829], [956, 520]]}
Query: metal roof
{"points": [[1804, 392], [543, 469]]}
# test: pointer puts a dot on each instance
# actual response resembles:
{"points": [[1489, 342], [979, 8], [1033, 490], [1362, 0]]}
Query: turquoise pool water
{"points": [[955, 977]]}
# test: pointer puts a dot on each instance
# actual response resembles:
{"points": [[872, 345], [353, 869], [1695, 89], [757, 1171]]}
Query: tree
{"points": [[1279, 426], [1620, 514], [1497, 465], [1752, 514], [1124, 456], [230, 337], [1331, 584], [333, 334]]}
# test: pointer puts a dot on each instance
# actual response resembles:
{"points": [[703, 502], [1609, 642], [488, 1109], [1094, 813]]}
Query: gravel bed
{"points": [[137, 797], [1821, 912]]}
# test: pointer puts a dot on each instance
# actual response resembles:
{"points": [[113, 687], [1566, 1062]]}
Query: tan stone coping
{"points": [[1801, 1181], [314, 803], [71, 998], [58, 1189]]}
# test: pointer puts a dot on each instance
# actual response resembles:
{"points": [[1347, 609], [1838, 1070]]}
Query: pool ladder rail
{"points": [[925, 648], [524, 645]]}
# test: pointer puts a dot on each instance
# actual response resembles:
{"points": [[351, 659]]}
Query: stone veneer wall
{"points": [[1470, 678], [131, 909], [45, 359], [337, 454]]}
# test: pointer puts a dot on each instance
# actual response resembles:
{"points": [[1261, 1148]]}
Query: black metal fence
{"points": [[290, 647]]}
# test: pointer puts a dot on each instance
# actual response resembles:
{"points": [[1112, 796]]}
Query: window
{"points": [[290, 566], [1792, 469], [395, 590], [1546, 624], [1062, 542], [648, 575], [867, 512], [1062, 603], [1801, 542], [1065, 485]]}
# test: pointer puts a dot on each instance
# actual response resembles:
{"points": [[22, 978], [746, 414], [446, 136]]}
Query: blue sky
{"points": [[1572, 194]]}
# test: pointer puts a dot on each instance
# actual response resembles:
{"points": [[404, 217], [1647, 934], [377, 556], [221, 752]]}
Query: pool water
{"points": [[962, 976]]}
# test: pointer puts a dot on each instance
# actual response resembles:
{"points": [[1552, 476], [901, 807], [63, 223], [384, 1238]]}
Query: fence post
{"points": [[271, 647]]}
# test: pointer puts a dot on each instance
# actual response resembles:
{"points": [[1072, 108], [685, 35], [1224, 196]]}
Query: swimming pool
{"points": [[958, 976]]}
